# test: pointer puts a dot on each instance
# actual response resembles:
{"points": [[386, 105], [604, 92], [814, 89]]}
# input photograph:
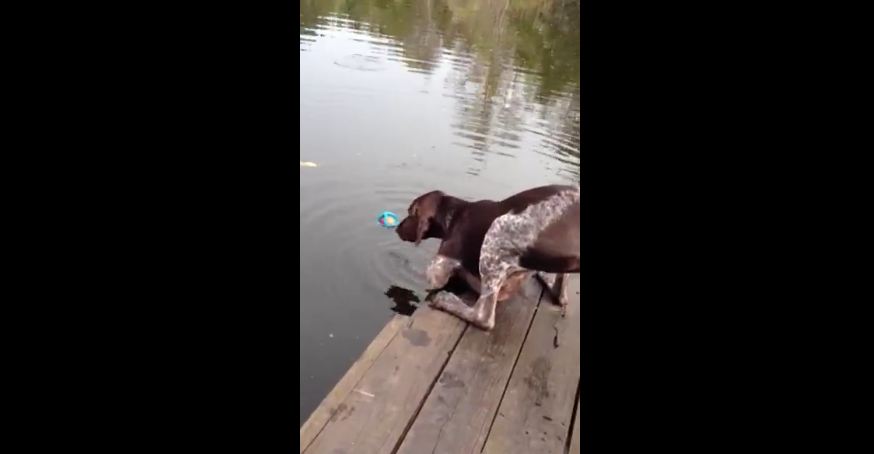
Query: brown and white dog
{"points": [[496, 246]]}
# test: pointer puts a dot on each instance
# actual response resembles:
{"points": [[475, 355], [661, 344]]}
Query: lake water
{"points": [[480, 99]]}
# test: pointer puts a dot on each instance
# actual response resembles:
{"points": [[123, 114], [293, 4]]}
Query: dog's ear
{"points": [[425, 210]]}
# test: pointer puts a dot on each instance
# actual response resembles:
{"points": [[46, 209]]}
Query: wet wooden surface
{"points": [[430, 383]]}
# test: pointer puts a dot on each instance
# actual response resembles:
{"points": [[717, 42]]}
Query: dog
{"points": [[494, 246]]}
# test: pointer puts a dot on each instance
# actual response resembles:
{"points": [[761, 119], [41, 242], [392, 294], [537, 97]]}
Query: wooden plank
{"points": [[320, 417], [459, 411], [374, 418], [537, 410], [575, 439]]}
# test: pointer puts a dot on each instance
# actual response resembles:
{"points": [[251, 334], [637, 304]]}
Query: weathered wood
{"points": [[460, 409], [537, 410], [575, 439], [320, 417], [508, 391], [375, 417]]}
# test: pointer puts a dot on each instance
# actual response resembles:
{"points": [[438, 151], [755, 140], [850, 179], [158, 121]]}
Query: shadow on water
{"points": [[479, 98]]}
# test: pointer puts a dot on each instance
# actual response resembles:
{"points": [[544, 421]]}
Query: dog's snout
{"points": [[402, 230]]}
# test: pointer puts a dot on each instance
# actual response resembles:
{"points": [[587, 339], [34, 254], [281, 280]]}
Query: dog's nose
{"points": [[401, 230]]}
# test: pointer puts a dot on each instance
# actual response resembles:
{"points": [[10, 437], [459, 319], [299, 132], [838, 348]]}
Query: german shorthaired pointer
{"points": [[496, 246]]}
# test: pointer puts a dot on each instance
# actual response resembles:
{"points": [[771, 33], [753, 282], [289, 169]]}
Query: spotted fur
{"points": [[508, 238], [440, 270]]}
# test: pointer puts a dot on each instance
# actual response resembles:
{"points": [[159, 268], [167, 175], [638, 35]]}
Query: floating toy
{"points": [[388, 220]]}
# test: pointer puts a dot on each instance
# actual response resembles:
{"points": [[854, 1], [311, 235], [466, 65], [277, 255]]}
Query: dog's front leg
{"points": [[451, 303], [439, 271], [482, 314]]}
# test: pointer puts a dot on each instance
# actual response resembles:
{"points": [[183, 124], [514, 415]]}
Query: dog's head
{"points": [[421, 217]]}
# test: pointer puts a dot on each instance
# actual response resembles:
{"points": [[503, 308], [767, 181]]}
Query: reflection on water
{"points": [[479, 98]]}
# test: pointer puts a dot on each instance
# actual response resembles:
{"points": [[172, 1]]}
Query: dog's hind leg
{"points": [[547, 279]]}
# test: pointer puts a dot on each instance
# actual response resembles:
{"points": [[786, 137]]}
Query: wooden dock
{"points": [[431, 384]]}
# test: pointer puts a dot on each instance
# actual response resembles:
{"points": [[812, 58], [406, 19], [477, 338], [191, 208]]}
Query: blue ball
{"points": [[388, 220]]}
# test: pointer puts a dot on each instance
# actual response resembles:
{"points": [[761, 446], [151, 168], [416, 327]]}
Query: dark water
{"points": [[477, 98]]}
